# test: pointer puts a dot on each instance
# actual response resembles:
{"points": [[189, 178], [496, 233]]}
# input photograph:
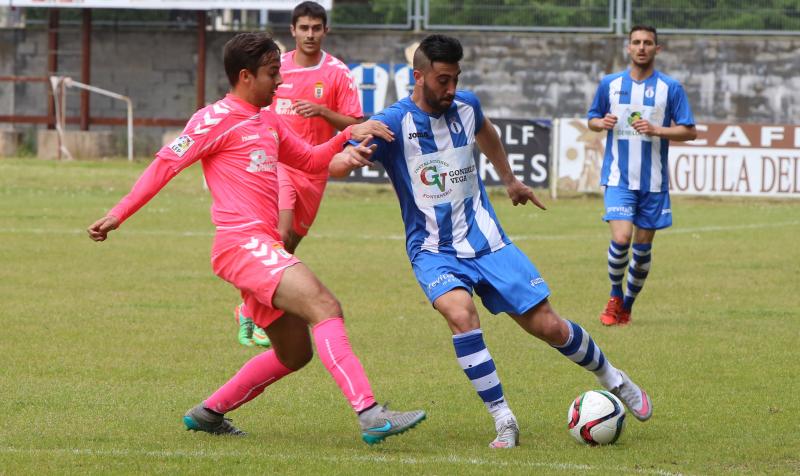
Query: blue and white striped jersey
{"points": [[632, 160], [442, 199]]}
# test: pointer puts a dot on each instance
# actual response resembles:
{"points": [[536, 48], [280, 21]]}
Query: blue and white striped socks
{"points": [[581, 349], [617, 262], [637, 272], [477, 363]]}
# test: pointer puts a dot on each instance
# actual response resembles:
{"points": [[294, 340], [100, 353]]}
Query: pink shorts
{"points": [[302, 195], [253, 261]]}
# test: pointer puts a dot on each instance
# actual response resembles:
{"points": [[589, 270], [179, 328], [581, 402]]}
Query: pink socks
{"points": [[248, 383], [334, 350], [264, 369]]}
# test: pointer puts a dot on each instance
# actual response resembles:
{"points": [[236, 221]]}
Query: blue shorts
{"points": [[506, 280], [647, 210]]}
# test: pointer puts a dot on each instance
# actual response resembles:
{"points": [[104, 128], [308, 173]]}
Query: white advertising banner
{"points": [[165, 4], [725, 159]]}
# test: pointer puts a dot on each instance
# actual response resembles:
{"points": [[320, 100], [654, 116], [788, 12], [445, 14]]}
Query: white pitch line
{"points": [[392, 237], [403, 460]]}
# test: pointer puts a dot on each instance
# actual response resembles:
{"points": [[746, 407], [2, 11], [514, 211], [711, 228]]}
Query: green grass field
{"points": [[104, 346]]}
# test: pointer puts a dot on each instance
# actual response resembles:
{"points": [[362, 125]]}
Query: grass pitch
{"points": [[104, 346]]}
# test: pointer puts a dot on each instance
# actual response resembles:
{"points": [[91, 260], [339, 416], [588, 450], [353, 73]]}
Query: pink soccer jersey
{"points": [[239, 147], [328, 83]]}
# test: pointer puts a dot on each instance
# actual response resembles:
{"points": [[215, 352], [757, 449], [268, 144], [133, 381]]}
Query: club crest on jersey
{"points": [[430, 176], [649, 92], [318, 90], [274, 134], [181, 145], [455, 127], [281, 250]]}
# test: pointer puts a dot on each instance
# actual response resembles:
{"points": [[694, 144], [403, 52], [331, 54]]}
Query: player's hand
{"points": [[643, 126], [307, 108], [98, 231], [608, 122], [352, 158], [371, 128], [358, 156], [522, 194]]}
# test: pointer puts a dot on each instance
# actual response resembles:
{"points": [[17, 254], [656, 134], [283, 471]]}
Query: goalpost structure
{"points": [[59, 84]]}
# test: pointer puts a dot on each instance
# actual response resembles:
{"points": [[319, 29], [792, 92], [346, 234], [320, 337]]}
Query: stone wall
{"points": [[516, 75]]}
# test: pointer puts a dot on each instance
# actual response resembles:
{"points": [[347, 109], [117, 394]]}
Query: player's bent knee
{"points": [[295, 359]]}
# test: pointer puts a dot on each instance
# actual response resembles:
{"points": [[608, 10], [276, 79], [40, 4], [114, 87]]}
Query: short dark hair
{"points": [[310, 9], [649, 28], [442, 48], [248, 51]]}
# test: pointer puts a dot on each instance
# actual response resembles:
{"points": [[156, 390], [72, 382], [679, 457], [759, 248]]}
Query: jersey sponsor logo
{"points": [[286, 85], [250, 137], [181, 145], [319, 90], [430, 176], [537, 281], [415, 135], [284, 107], [620, 93], [443, 177], [635, 116], [261, 162]]}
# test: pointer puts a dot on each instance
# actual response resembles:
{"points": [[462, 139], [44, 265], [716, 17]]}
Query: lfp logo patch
{"points": [[181, 145]]}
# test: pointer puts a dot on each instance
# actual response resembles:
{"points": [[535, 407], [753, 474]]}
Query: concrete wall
{"points": [[516, 75]]}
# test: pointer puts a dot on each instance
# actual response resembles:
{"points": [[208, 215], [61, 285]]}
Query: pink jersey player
{"points": [[306, 98], [240, 146], [328, 83]]}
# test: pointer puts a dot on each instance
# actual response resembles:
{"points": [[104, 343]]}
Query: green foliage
{"points": [[373, 12], [781, 15], [105, 345]]}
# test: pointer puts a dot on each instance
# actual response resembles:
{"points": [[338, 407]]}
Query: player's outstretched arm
{"points": [[352, 158], [490, 144], [372, 128], [98, 231]]}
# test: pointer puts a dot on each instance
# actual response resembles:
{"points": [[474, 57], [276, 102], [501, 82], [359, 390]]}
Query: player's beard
{"points": [[437, 104]]}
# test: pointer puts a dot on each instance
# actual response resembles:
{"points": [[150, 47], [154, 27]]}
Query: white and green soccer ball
{"points": [[595, 418]]}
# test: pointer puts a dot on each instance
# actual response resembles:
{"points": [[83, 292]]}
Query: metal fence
{"points": [[733, 17]]}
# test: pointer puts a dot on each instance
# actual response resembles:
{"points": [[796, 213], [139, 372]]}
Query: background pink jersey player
{"points": [[327, 83]]}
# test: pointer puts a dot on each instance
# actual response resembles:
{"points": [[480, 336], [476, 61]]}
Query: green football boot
{"points": [[246, 326]]}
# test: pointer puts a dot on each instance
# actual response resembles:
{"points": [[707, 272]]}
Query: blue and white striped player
{"points": [[454, 240], [642, 109]]}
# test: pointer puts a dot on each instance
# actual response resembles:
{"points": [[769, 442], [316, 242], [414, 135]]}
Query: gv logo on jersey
{"points": [[635, 116], [430, 176], [318, 90]]}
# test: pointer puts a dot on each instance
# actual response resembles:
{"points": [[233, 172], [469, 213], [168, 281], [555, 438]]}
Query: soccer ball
{"points": [[596, 418]]}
